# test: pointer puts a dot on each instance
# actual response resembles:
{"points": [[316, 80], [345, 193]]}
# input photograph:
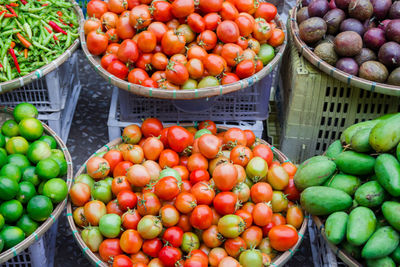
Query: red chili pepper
{"points": [[12, 53], [24, 2], [56, 27], [1, 12], [45, 4], [25, 42], [55, 38], [7, 15], [48, 30], [13, 4], [11, 10], [62, 21], [1, 66], [59, 13]]}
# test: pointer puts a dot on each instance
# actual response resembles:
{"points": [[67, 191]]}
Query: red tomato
{"points": [[182, 8], [186, 186], [124, 29], [291, 192], [173, 236], [209, 145], [161, 11], [196, 52], [225, 203], [133, 3], [290, 168], [278, 219], [184, 223], [267, 228], [199, 176], [140, 258], [209, 125], [96, 8], [241, 155], [152, 148], [121, 168], [262, 31], [109, 248], [147, 41], [244, 5], [178, 74], [150, 83], [122, 261], [113, 207], [152, 247], [214, 64], [196, 22], [228, 31], [97, 167], [144, 61], [262, 214], [201, 217], [245, 69], [131, 241], [229, 78], [266, 11], [261, 192], [137, 76], [249, 207], [151, 127], [232, 53], [179, 138], [208, 6], [246, 216], [197, 161], [130, 219], [107, 59], [126, 199], [229, 11], [117, 6], [185, 202], [93, 211], [159, 61], [172, 42], [148, 204], [245, 25], [113, 157], [168, 158], [195, 68], [112, 48], [282, 237], [252, 236], [167, 188], [265, 152], [128, 51], [80, 194], [118, 69], [235, 136], [225, 176], [212, 20], [182, 170], [251, 138], [91, 24], [234, 246], [119, 184], [207, 39], [140, 17], [169, 256], [97, 42], [216, 255]]}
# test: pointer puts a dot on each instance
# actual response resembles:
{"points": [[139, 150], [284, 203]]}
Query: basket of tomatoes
{"points": [[35, 177], [185, 49], [161, 196]]}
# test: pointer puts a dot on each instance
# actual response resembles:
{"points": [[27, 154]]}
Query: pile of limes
{"points": [[29, 166]]}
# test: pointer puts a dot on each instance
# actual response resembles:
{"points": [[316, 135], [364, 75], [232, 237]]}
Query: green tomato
{"points": [[149, 227], [209, 81], [251, 258], [110, 225], [257, 169], [190, 84], [86, 179], [190, 241], [102, 193], [92, 238], [201, 132], [231, 226], [108, 180], [170, 172], [266, 54]]}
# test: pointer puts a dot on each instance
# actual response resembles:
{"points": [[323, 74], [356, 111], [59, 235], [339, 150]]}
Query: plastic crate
{"points": [[273, 130], [116, 123], [250, 103], [49, 93], [315, 108]]}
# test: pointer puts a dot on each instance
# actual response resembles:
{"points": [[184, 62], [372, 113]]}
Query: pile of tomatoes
{"points": [[185, 44], [189, 196]]}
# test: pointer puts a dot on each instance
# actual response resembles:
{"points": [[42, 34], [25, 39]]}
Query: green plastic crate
{"points": [[315, 108]]}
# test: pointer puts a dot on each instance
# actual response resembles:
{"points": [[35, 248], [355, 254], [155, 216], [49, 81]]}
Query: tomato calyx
{"points": [[256, 3], [263, 25], [103, 168], [171, 65]]}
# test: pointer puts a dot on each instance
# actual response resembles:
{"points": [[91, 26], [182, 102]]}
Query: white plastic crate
{"points": [[49, 93], [115, 124]]}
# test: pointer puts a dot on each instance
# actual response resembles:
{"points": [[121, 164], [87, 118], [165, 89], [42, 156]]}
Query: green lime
{"points": [[27, 224], [1, 222], [56, 189], [85, 178], [25, 110], [11, 235], [39, 208], [3, 159], [11, 171], [17, 145], [49, 140], [47, 169], [2, 140], [10, 128], [11, 210], [30, 175], [30, 128], [8, 188], [19, 160], [57, 152], [62, 163], [38, 150], [26, 192]]}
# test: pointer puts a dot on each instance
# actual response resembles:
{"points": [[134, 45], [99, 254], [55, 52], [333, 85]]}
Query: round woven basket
{"points": [[6, 114], [95, 258], [39, 73], [331, 70], [346, 258], [185, 94]]}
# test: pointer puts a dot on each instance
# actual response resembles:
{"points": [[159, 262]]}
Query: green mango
{"points": [[344, 182], [352, 250], [355, 163], [370, 194], [381, 244], [382, 262], [321, 200], [387, 170], [391, 212], [314, 172], [386, 134], [350, 131], [360, 140], [334, 149], [361, 225], [396, 255], [335, 227]]}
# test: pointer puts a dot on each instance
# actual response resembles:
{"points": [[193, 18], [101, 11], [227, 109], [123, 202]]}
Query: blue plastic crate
{"points": [[83, 4]]}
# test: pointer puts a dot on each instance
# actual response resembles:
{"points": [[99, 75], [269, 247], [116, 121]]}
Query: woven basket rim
{"points": [[41, 72], [94, 257], [342, 76], [14, 251], [186, 94], [345, 257]]}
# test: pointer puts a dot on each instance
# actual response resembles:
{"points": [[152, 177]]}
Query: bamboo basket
{"points": [[346, 258], [39, 73], [5, 114], [186, 94], [97, 261], [331, 70]]}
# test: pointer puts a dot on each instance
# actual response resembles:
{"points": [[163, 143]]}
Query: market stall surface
{"points": [[88, 133]]}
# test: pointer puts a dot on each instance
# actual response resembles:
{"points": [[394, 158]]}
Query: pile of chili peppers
{"points": [[33, 33]]}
